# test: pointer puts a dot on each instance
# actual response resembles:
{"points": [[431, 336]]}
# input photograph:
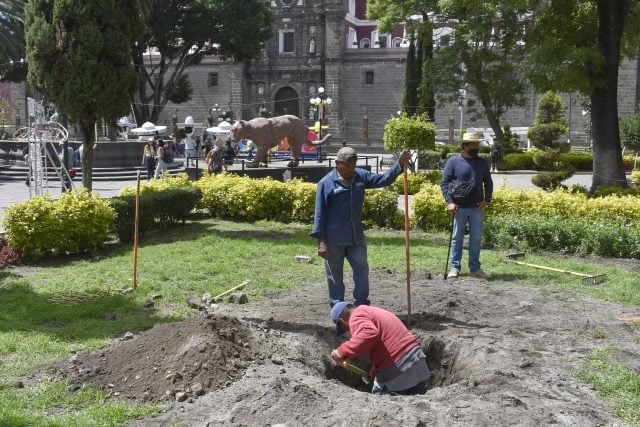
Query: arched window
{"points": [[397, 41], [365, 43]]}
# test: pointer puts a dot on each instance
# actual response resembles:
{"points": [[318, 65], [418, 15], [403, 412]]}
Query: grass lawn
{"points": [[56, 307]]}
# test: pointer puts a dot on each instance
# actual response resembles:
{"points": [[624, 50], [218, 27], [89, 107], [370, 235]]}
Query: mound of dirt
{"points": [[178, 361]]}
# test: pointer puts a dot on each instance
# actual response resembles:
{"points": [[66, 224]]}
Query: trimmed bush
{"points": [[380, 208], [635, 177], [575, 235], [164, 183], [580, 161], [551, 180], [416, 180], [304, 200], [158, 209], [429, 209], [77, 222], [519, 161]]}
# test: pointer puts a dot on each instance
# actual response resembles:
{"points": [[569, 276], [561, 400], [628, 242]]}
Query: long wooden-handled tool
{"points": [[360, 372], [134, 283], [587, 279], [406, 239]]}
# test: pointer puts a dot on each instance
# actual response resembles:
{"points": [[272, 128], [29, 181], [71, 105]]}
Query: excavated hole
{"points": [[442, 359]]}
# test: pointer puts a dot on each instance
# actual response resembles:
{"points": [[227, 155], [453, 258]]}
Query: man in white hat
{"points": [[337, 222], [470, 172]]}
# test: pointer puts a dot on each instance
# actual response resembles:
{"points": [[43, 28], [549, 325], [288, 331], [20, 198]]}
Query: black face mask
{"points": [[473, 152]]}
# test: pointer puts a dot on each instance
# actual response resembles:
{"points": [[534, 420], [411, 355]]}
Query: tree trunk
{"points": [[88, 133], [608, 168]]}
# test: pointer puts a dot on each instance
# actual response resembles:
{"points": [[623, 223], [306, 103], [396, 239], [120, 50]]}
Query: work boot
{"points": [[480, 274], [453, 273]]}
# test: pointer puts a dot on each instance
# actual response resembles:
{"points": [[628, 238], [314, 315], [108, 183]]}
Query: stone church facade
{"points": [[331, 44]]}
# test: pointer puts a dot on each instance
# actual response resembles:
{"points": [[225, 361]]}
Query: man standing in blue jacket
{"points": [[468, 168], [337, 223]]}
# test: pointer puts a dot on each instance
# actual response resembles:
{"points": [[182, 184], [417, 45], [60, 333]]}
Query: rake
{"points": [[587, 279]]}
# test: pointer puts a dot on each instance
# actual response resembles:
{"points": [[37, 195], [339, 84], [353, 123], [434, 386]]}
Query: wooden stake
{"points": [[134, 283], [407, 245]]}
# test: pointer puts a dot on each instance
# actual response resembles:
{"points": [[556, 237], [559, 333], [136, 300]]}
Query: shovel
{"points": [[360, 372]]}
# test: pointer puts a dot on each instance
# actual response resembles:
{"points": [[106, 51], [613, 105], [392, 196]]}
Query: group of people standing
{"points": [[157, 155], [398, 364]]}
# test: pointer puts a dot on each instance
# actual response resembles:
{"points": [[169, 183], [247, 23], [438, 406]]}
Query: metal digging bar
{"points": [[587, 279]]}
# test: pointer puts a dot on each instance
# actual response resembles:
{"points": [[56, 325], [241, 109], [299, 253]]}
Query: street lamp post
{"points": [[320, 102]]}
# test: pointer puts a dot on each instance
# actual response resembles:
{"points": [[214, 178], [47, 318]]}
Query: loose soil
{"points": [[500, 354]]}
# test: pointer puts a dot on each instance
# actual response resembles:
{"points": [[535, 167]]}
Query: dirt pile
{"points": [[170, 361]]}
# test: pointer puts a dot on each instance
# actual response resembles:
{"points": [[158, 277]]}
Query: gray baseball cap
{"points": [[345, 154]]}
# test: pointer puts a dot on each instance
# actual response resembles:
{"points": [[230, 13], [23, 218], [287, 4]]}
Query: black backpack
{"points": [[166, 155]]}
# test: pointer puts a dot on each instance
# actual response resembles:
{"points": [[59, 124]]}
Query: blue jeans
{"points": [[356, 255], [474, 217], [420, 388]]}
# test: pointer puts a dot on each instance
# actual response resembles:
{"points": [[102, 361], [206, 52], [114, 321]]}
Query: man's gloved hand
{"points": [[404, 158]]}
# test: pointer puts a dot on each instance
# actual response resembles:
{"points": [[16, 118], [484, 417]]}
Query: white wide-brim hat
{"points": [[148, 128]]}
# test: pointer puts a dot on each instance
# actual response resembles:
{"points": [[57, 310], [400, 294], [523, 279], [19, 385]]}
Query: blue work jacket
{"points": [[338, 213]]}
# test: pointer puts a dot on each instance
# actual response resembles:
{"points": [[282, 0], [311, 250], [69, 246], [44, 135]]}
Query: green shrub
{"points": [[519, 161], [245, 199], [635, 177], [630, 131], [575, 235], [616, 191], [414, 132], [165, 182], [379, 208], [581, 161], [416, 180], [551, 180], [158, 209], [430, 159], [429, 209], [77, 222], [304, 200]]}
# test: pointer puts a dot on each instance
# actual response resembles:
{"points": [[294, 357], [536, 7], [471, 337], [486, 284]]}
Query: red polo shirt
{"points": [[380, 333]]}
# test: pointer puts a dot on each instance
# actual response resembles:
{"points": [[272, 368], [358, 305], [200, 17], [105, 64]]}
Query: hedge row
{"points": [[78, 221], [244, 199], [158, 209], [581, 161]]}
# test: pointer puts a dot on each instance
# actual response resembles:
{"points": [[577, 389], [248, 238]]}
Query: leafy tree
{"points": [[12, 53], [180, 33], [79, 56], [415, 133], [426, 90], [484, 55], [411, 81], [577, 46], [630, 132]]}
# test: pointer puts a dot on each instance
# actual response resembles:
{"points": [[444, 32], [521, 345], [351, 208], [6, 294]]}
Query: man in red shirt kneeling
{"points": [[398, 364]]}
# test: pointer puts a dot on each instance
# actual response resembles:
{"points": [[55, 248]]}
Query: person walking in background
{"points": [[496, 155], [398, 364], [337, 222], [214, 158], [228, 154], [470, 169], [148, 158], [163, 158]]}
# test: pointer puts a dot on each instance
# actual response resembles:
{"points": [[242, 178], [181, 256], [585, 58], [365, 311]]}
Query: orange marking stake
{"points": [[134, 284]]}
